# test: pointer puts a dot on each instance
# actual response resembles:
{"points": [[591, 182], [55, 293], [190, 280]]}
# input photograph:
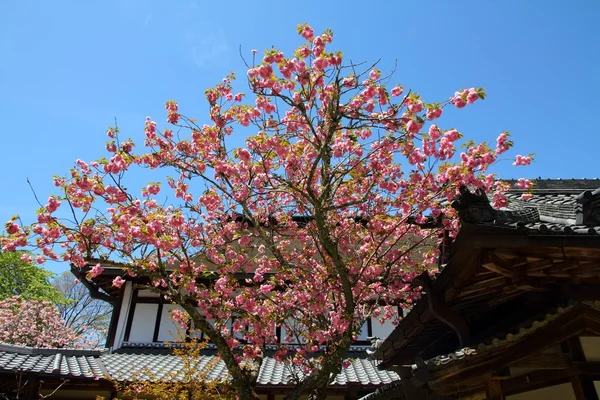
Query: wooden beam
{"points": [[490, 266], [473, 396], [499, 265], [157, 321], [518, 274], [521, 281], [114, 319], [31, 387], [489, 237], [580, 292], [509, 294], [411, 391], [441, 311], [585, 368], [493, 390], [534, 380], [538, 265], [583, 386], [578, 388], [544, 361]]}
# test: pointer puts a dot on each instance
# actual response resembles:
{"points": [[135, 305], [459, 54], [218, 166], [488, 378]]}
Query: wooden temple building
{"points": [[515, 311], [513, 314]]}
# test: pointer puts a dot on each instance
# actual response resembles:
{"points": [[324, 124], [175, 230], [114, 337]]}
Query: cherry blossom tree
{"points": [[35, 323], [310, 203]]}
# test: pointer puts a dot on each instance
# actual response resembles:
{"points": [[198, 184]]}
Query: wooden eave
{"points": [[572, 323], [467, 288]]}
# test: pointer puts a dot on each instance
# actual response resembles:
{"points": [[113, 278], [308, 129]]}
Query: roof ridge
{"points": [[14, 348]]}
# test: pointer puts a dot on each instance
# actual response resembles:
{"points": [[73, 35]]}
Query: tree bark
{"points": [[240, 380]]}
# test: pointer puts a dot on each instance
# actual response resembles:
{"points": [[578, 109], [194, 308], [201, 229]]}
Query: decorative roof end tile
{"points": [[590, 208]]}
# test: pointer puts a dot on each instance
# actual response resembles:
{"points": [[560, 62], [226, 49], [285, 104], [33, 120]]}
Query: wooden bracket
{"points": [[517, 274]]}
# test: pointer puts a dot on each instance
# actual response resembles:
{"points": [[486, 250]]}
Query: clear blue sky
{"points": [[68, 68]]}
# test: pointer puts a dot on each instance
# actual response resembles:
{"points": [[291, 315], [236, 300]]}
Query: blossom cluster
{"points": [[33, 323]]}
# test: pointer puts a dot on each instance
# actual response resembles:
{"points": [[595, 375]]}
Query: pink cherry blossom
{"points": [[96, 270], [396, 91], [459, 102], [12, 228], [522, 160], [33, 323], [118, 282], [374, 74], [307, 32], [434, 113], [502, 143], [523, 183], [472, 96], [320, 63], [244, 240], [413, 126]]}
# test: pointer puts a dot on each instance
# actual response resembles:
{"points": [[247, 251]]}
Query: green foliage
{"points": [[27, 280]]}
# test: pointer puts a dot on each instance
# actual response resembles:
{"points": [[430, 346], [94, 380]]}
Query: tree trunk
{"points": [[240, 380]]}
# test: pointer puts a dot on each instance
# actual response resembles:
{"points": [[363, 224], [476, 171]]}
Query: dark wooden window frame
{"points": [[137, 299]]}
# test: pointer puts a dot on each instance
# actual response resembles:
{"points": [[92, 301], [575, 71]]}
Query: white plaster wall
{"points": [[144, 320], [364, 332], [123, 313], [288, 327], [524, 371], [169, 330], [558, 392], [591, 347], [381, 330]]}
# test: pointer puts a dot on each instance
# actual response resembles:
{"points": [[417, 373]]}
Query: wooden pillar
{"points": [[493, 390], [352, 391], [30, 387], [583, 386], [410, 391]]}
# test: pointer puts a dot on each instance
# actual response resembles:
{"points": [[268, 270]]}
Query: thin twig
{"points": [[34, 194]]}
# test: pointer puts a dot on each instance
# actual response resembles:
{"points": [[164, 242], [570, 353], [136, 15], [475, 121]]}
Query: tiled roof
{"points": [[523, 330], [128, 362], [548, 213], [68, 363], [563, 207], [574, 184], [557, 210], [365, 372], [159, 362]]}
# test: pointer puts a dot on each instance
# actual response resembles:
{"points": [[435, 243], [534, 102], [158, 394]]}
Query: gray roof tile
{"points": [[50, 361], [158, 362], [552, 209], [518, 333]]}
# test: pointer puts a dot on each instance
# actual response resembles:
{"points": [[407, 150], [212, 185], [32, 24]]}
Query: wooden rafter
{"points": [[562, 328]]}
